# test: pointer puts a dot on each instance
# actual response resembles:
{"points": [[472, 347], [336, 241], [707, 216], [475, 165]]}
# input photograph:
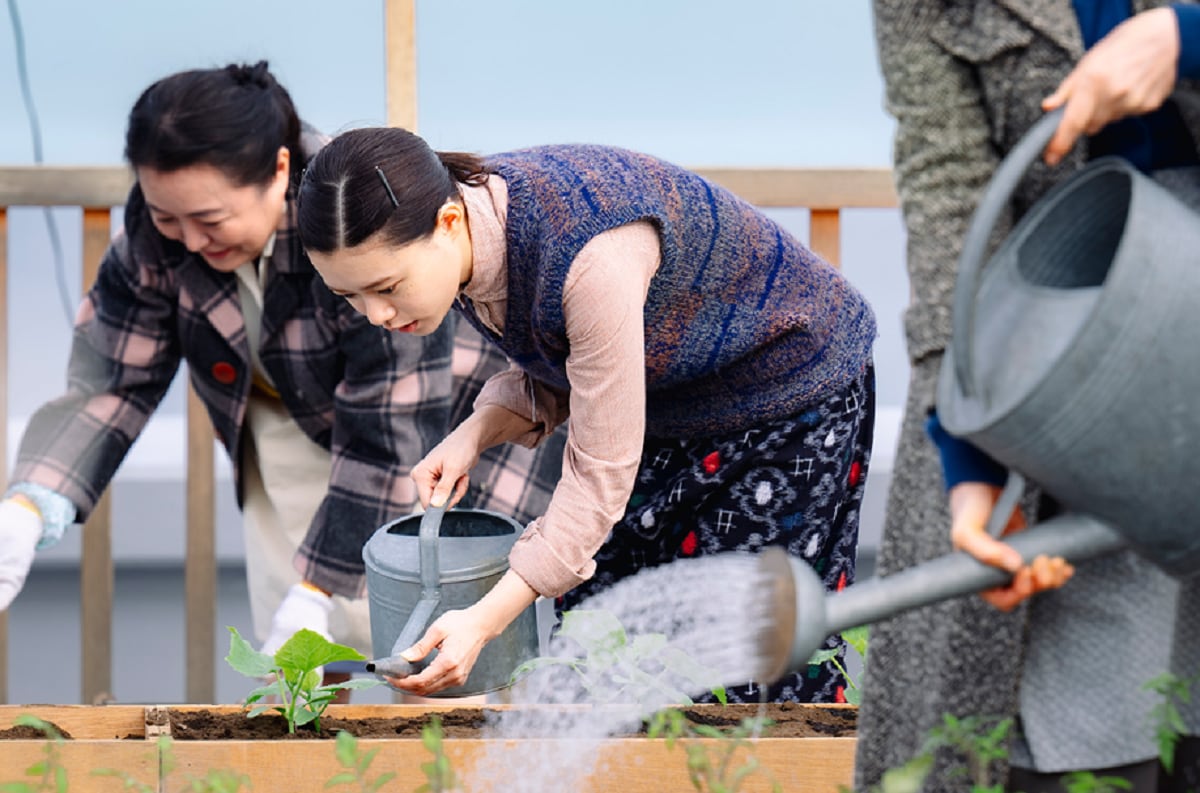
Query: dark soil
{"points": [[791, 720], [29, 733]]}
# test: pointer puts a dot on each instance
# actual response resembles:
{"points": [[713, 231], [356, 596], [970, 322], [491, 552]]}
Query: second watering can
{"points": [[423, 565], [1072, 358]]}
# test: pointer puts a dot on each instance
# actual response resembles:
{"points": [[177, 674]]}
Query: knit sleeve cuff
{"points": [[961, 461], [1188, 17], [57, 510]]}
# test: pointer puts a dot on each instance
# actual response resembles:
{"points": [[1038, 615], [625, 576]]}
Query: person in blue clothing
{"points": [[1115, 97], [965, 79]]}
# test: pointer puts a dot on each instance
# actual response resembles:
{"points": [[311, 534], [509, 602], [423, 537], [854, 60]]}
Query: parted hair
{"points": [[379, 180]]}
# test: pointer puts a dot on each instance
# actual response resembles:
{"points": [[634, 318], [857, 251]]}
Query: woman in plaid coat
{"points": [[321, 413]]}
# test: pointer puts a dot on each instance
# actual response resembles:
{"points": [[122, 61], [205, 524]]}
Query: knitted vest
{"points": [[742, 323]]}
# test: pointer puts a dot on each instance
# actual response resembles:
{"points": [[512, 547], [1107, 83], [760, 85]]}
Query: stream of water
{"points": [[713, 613]]}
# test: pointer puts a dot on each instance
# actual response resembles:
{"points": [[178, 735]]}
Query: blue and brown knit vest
{"points": [[743, 324]]}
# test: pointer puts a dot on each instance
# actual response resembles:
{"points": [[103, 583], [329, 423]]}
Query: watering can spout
{"points": [[392, 666], [802, 614]]}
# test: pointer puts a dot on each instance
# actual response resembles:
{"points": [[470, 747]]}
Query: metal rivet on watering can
{"points": [[422, 566]]}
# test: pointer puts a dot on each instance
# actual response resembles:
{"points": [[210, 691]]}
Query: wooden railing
{"points": [[825, 192]]}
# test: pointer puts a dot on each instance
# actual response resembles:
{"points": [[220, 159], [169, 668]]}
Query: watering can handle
{"points": [[431, 595], [970, 261]]}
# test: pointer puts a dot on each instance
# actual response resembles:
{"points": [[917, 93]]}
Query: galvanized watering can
{"points": [[423, 565], [1072, 358], [1071, 363]]}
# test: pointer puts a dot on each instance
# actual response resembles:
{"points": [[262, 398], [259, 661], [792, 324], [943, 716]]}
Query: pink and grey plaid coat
{"points": [[377, 400]]}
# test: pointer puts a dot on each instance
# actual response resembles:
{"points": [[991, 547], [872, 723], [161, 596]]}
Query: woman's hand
{"points": [[971, 505], [1130, 71], [443, 475], [459, 637]]}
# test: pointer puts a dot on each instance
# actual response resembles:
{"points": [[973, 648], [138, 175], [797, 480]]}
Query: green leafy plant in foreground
{"points": [[357, 764], [1088, 782], [1165, 716], [295, 675], [49, 772], [219, 780], [857, 639], [645, 669], [439, 773], [711, 768]]}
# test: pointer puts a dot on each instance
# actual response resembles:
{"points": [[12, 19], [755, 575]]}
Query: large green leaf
{"points": [[595, 630], [308, 650], [245, 659]]}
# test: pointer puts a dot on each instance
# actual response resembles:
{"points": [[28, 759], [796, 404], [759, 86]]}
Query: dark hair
{"points": [[234, 119], [379, 180]]}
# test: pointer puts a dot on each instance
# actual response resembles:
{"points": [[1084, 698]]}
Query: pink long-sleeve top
{"points": [[603, 300]]}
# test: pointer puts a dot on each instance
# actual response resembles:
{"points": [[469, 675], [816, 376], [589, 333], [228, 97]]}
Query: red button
{"points": [[224, 372]]}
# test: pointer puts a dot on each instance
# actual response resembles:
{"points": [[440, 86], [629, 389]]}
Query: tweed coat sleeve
{"points": [[124, 355], [943, 152]]}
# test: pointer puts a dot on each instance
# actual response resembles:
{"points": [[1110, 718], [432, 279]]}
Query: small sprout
{"points": [[49, 773], [358, 764]]}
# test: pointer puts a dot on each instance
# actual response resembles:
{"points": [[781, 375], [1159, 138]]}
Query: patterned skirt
{"points": [[795, 482]]}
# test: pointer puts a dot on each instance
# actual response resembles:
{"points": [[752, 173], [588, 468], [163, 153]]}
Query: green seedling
{"points": [[644, 669], [49, 773], [710, 767], [214, 781], [1088, 782], [164, 762], [1165, 716], [295, 676], [439, 773], [357, 764], [977, 742], [857, 639]]}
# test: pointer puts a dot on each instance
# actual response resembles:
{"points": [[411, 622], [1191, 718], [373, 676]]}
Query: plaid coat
{"points": [[377, 400]]}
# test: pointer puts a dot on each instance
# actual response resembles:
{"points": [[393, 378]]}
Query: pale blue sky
{"points": [[766, 82], [700, 82]]}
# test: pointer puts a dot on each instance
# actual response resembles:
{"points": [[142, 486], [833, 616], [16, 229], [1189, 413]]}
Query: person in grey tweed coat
{"points": [[964, 80]]}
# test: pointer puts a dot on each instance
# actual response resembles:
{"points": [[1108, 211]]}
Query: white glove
{"points": [[303, 607], [20, 530]]}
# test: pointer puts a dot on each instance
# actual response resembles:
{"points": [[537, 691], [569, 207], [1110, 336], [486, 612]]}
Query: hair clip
{"points": [[386, 186]]}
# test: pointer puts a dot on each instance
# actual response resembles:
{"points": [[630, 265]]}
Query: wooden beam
{"points": [[400, 42], [54, 185], [96, 569], [200, 562], [816, 188]]}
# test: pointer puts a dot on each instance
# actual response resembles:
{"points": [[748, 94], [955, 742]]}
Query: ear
{"points": [[283, 162], [452, 218]]}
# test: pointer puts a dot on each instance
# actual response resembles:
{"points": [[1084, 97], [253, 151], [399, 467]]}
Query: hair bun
{"points": [[258, 74]]}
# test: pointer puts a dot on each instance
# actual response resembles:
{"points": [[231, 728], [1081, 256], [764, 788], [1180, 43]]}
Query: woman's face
{"points": [[227, 224], [410, 288]]}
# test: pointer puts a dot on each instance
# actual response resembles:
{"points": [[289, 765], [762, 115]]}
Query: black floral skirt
{"points": [[795, 482]]}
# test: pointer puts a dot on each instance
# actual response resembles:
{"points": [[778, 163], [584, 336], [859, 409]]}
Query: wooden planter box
{"points": [[117, 737]]}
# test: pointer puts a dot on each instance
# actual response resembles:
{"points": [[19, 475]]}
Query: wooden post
{"points": [[400, 43], [200, 564], [96, 569], [824, 237], [4, 423]]}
